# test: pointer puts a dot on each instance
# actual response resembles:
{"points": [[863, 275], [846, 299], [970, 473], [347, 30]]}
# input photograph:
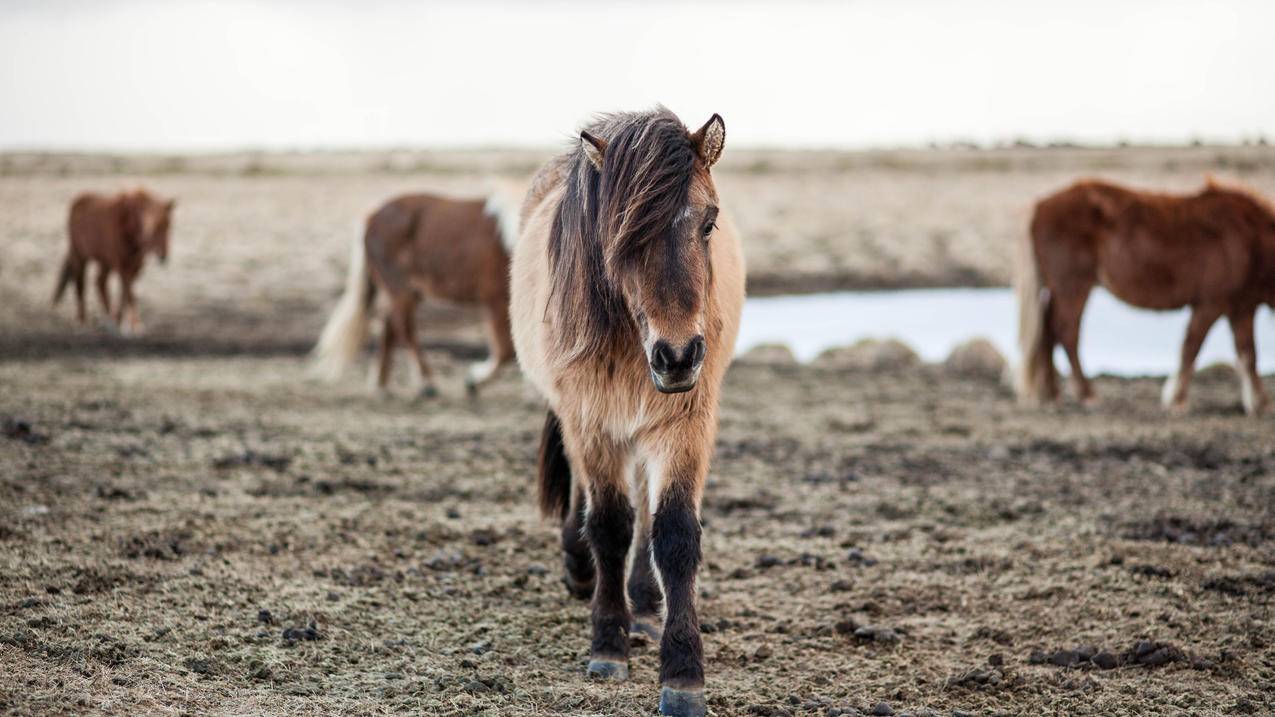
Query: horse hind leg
{"points": [[1066, 310], [104, 289], [501, 345], [1252, 392], [386, 359], [405, 315], [1176, 388]]}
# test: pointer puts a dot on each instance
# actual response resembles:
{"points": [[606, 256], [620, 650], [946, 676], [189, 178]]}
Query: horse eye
{"points": [[708, 229]]}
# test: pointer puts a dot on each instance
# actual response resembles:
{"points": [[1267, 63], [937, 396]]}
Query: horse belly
{"points": [[1148, 277]]}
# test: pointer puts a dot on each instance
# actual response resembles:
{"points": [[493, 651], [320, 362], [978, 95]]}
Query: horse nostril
{"points": [[697, 350], [663, 357]]}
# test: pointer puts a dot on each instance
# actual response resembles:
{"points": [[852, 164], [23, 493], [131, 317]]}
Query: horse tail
{"points": [[68, 273], [1034, 338], [347, 328], [553, 471]]}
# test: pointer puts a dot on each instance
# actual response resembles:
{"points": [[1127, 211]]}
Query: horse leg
{"points": [[128, 305], [1175, 389], [644, 589], [1067, 309], [81, 311], [674, 491], [501, 345], [387, 354], [405, 314], [103, 288], [1252, 392], [609, 527], [576, 556]]}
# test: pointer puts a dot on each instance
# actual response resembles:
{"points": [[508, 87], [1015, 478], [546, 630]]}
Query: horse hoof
{"points": [[608, 670], [471, 389], [682, 703], [648, 626], [427, 392]]}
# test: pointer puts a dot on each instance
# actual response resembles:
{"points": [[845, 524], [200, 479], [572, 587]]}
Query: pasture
{"points": [[189, 525]]}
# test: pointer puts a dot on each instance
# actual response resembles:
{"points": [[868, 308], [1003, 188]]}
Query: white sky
{"points": [[137, 74]]}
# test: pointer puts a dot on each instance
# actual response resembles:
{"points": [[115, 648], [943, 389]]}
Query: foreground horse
{"points": [[627, 288], [424, 245], [116, 232], [1213, 251]]}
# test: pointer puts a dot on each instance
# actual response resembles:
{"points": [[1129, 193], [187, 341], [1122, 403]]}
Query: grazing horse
{"points": [[627, 286], [116, 232], [424, 245], [1213, 251]]}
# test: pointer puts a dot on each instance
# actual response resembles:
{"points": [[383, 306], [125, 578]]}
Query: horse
{"points": [[627, 286], [116, 232], [423, 245], [1213, 251]]}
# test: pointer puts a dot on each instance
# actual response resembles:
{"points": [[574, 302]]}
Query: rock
{"points": [[264, 616], [763, 652], [1105, 660], [976, 358], [770, 355], [766, 560], [882, 709], [870, 355]]}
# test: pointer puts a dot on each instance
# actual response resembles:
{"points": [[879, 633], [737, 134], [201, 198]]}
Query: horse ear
{"points": [[594, 148], [710, 140]]}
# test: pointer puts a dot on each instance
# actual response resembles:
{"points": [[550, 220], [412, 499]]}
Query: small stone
{"points": [[996, 660], [766, 560], [763, 652], [882, 709], [264, 616]]}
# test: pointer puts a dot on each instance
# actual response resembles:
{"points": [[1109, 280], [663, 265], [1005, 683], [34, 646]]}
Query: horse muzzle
{"points": [[677, 370]]}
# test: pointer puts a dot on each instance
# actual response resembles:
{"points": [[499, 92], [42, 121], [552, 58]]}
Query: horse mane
{"points": [[607, 217]]}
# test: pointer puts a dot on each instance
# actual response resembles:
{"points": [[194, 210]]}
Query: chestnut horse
{"points": [[1213, 251], [424, 245], [627, 287], [116, 232]]}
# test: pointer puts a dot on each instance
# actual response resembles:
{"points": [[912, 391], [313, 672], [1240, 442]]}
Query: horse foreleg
{"points": [[128, 307], [643, 588], [675, 487], [1179, 384], [1252, 392], [609, 527]]}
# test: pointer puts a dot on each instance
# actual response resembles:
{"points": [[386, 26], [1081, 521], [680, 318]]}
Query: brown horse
{"points": [[627, 288], [116, 232], [424, 245], [1213, 251]]}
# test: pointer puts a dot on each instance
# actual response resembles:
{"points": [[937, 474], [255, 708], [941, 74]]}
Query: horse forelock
{"points": [[607, 218]]}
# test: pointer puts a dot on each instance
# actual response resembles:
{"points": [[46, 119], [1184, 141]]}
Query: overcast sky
{"points": [[137, 74]]}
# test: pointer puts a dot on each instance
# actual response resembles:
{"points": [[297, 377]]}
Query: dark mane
{"points": [[606, 219]]}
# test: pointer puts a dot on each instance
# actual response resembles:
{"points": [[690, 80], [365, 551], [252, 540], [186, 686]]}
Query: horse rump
{"points": [[553, 471], [347, 328]]}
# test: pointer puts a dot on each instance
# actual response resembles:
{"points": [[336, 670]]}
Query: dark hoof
{"points": [[648, 625], [471, 389], [608, 670], [683, 703], [427, 393]]}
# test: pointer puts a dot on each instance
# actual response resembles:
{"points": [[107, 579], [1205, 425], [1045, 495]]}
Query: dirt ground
{"points": [[189, 525]]}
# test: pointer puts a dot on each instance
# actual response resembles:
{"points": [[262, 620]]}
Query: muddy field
{"points": [[189, 525]]}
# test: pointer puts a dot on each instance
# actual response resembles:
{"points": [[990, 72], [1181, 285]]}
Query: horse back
{"points": [[95, 229]]}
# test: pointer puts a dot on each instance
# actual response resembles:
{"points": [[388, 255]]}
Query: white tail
{"points": [[1035, 345], [347, 328]]}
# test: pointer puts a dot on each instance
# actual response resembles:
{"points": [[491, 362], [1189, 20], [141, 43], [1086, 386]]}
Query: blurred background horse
{"points": [[1213, 251], [116, 232], [424, 245]]}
